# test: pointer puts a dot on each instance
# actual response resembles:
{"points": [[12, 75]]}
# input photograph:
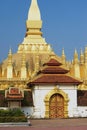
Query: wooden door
{"points": [[56, 107]]}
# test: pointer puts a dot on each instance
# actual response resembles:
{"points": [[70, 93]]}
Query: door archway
{"points": [[56, 106], [62, 97]]}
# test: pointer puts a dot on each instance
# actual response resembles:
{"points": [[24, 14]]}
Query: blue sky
{"points": [[64, 24]]}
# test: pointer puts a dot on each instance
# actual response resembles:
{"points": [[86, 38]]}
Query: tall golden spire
{"points": [[34, 11], [33, 37], [34, 23]]}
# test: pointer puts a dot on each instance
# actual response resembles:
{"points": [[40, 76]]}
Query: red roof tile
{"points": [[53, 62], [55, 79], [54, 70], [13, 97]]}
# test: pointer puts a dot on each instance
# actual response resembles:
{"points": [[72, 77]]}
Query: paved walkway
{"points": [[59, 122], [52, 124]]}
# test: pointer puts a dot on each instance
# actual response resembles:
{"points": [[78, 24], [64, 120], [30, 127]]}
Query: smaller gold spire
{"points": [[9, 66], [76, 66], [63, 56], [23, 67], [81, 57], [10, 51], [63, 52], [85, 54], [10, 57], [75, 60]]}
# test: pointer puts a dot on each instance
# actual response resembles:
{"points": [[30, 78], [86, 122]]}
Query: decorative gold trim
{"points": [[47, 99], [82, 87]]}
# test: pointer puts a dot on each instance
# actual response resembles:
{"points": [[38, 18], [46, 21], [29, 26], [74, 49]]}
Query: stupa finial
{"points": [[34, 11]]}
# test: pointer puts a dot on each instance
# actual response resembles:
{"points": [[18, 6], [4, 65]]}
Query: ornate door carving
{"points": [[56, 107]]}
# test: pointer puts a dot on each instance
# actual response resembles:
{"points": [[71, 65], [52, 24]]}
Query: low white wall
{"points": [[82, 111], [3, 108], [28, 111], [72, 104]]}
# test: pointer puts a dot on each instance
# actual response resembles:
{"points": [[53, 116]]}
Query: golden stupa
{"points": [[33, 52]]}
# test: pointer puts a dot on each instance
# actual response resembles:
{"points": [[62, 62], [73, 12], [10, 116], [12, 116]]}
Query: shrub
{"points": [[12, 115], [13, 119]]}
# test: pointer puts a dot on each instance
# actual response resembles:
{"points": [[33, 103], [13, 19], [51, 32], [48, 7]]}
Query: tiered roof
{"points": [[53, 72]]}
